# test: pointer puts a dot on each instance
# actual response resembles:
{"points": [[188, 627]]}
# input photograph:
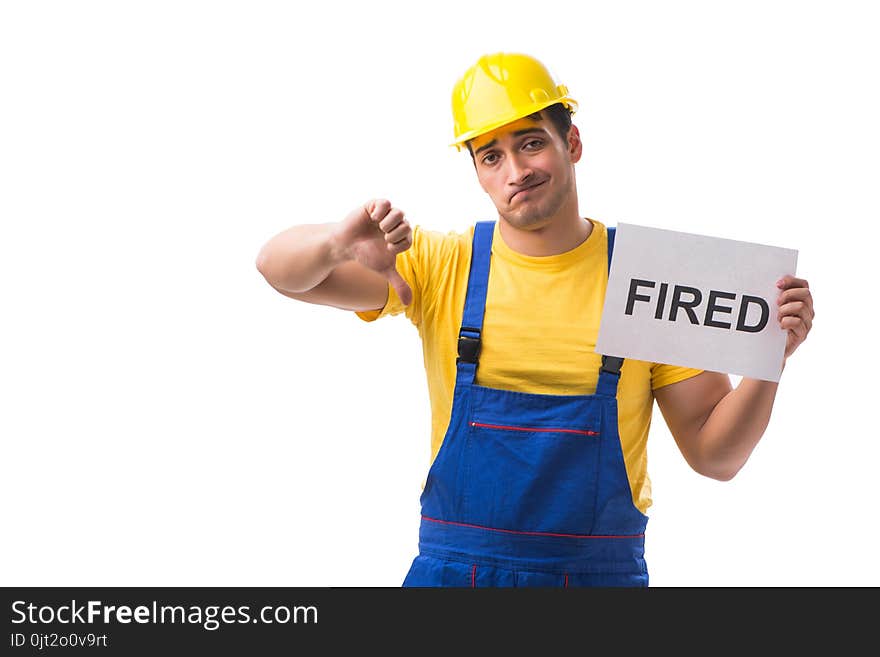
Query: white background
{"points": [[169, 419]]}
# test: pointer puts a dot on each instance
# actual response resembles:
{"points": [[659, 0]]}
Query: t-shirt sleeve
{"points": [[409, 266], [663, 375]]}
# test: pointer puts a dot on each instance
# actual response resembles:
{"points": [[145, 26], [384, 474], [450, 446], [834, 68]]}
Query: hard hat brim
{"points": [[569, 102]]}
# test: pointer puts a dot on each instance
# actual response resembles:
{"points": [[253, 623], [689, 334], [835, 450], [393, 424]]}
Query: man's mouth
{"points": [[527, 189]]}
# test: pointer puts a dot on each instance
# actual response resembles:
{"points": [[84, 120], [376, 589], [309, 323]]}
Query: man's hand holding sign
{"points": [[713, 304], [795, 311]]}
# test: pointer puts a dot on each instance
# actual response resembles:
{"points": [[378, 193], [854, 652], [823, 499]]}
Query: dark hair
{"points": [[558, 114]]}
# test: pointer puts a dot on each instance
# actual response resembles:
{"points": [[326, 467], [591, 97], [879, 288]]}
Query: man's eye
{"points": [[534, 141], [486, 159]]}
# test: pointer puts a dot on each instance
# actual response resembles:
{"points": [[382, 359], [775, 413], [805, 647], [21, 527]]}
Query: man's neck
{"points": [[559, 235]]}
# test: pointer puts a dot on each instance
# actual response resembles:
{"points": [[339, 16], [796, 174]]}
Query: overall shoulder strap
{"points": [[609, 373], [469, 335], [611, 231]]}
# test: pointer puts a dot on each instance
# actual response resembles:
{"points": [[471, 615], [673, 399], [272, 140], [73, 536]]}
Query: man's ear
{"points": [[575, 145]]}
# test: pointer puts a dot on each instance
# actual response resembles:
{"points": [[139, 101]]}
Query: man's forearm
{"points": [[735, 426], [301, 257]]}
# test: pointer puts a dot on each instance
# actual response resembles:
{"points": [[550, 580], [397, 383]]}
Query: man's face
{"points": [[526, 169]]}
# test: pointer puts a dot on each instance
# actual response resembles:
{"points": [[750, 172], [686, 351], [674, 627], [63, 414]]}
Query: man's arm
{"points": [[346, 265], [716, 427]]}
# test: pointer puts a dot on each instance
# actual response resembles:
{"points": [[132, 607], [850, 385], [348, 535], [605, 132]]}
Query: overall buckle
{"points": [[468, 345], [611, 364]]}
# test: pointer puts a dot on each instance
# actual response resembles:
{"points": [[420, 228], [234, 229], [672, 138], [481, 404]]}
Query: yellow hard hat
{"points": [[500, 88]]}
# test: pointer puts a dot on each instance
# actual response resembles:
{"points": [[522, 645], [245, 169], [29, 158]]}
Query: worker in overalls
{"points": [[538, 472]]}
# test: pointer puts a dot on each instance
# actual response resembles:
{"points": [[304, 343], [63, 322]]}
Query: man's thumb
{"points": [[400, 286]]}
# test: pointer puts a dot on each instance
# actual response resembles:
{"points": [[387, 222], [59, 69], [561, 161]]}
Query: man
{"points": [[538, 472]]}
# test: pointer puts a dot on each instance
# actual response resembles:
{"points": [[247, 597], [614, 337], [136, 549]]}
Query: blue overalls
{"points": [[527, 489]]}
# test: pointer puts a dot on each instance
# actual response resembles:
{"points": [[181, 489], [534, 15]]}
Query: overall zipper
{"points": [[552, 430]]}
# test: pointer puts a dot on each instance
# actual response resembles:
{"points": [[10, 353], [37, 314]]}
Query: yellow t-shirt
{"points": [[539, 331]]}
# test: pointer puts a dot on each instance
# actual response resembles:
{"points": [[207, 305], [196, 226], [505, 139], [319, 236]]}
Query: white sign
{"points": [[695, 301]]}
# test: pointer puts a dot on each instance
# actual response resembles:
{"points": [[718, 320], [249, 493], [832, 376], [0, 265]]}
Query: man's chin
{"points": [[531, 219]]}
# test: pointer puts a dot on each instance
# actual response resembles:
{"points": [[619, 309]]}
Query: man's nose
{"points": [[519, 170]]}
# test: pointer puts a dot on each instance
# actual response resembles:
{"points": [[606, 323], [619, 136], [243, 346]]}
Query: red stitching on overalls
{"points": [[474, 577], [501, 426], [513, 531], [566, 580]]}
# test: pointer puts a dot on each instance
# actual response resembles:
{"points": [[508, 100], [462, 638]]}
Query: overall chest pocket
{"points": [[531, 476]]}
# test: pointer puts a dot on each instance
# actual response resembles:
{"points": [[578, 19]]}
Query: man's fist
{"points": [[373, 234]]}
